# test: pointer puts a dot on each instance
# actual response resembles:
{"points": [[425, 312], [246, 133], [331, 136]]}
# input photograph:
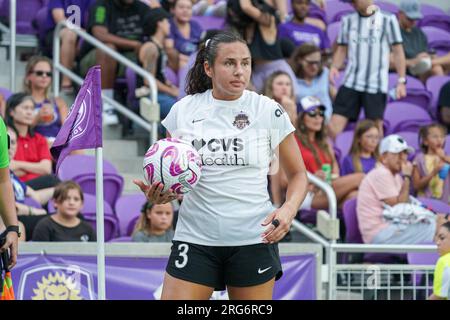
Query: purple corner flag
{"points": [[83, 126]]}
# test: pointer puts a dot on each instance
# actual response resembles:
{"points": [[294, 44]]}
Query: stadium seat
{"points": [[24, 17], [419, 259], [127, 208], [436, 205], [412, 138], [333, 31], [405, 117], [32, 203], [438, 39], [209, 22], [110, 224], [434, 17], [415, 91], [343, 143], [387, 6], [335, 9], [74, 165], [434, 85], [121, 239], [5, 93], [353, 235], [447, 144], [315, 12]]}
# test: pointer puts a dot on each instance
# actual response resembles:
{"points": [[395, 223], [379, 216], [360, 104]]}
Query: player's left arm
{"points": [[292, 163]]}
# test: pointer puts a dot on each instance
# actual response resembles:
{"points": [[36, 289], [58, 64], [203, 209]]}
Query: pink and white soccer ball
{"points": [[173, 162]]}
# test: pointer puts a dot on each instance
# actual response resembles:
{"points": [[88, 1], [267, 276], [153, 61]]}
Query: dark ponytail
{"points": [[197, 79]]}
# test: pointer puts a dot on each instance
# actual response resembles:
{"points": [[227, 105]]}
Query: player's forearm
{"points": [[296, 191], [339, 57], [399, 60]]}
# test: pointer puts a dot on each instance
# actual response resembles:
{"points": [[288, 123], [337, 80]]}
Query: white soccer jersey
{"points": [[236, 140], [368, 40]]}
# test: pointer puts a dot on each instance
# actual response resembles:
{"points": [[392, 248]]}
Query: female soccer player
{"points": [[227, 230]]}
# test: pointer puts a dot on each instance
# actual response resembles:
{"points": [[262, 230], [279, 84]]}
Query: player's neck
{"points": [[223, 96]]}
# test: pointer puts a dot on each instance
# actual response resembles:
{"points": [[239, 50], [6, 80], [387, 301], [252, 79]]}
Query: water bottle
{"points": [[443, 173], [327, 169]]}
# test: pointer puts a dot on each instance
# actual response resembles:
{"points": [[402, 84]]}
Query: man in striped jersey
{"points": [[366, 38]]}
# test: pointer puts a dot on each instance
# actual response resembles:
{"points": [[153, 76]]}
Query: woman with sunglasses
{"points": [[312, 76], [316, 151], [50, 111]]}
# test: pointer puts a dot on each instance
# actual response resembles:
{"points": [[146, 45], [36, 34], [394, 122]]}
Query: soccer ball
{"points": [[174, 163]]}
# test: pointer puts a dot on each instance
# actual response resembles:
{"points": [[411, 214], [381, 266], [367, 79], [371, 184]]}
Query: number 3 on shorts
{"points": [[183, 248]]}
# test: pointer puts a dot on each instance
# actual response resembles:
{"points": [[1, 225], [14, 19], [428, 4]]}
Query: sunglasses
{"points": [[40, 73], [311, 63], [315, 113]]}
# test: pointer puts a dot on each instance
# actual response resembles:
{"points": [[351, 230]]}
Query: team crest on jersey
{"points": [[241, 120]]}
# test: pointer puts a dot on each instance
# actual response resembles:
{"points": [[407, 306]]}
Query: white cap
{"points": [[394, 144], [310, 103]]}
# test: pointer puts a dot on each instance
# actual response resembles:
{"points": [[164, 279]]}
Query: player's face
{"points": [[443, 241], [281, 86], [231, 71], [183, 10], [23, 113], [40, 77], [161, 216], [71, 206]]}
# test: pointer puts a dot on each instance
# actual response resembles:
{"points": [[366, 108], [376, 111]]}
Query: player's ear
{"points": [[208, 69]]}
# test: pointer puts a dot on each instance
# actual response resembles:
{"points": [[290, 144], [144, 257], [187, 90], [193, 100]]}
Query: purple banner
{"points": [[58, 277]]}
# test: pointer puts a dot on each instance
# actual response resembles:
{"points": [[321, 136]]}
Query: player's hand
{"points": [[274, 233], [11, 242], [400, 91], [334, 73], [154, 192]]}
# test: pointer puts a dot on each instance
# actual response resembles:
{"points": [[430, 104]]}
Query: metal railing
{"points": [[152, 127]]}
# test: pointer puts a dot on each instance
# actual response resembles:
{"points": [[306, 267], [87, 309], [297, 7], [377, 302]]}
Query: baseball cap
{"points": [[394, 144], [155, 15], [411, 8], [310, 103]]}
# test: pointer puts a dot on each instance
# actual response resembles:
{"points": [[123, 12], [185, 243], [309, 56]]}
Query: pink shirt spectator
{"points": [[378, 185]]}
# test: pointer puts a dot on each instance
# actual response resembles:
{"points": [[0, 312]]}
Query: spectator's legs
{"points": [[109, 69], [337, 125], [68, 52]]}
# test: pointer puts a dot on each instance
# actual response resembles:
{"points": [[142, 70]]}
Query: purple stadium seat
{"points": [[314, 12], [343, 143], [412, 139], [171, 76], [24, 17], [39, 24], [127, 208], [333, 31], [428, 9], [5, 93], [419, 259], [121, 239], [404, 116], [438, 39], [447, 144], [415, 91], [387, 6], [353, 235], [74, 165], [437, 21], [131, 225], [32, 203], [89, 213], [335, 9], [209, 22], [436, 205], [434, 85]]}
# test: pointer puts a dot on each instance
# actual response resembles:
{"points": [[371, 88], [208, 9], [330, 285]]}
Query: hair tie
{"points": [[207, 42]]}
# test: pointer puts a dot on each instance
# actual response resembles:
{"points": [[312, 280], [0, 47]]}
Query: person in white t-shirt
{"points": [[227, 229]]}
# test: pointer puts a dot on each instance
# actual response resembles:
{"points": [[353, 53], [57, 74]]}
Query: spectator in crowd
{"points": [[154, 224], [385, 185], [158, 28], [363, 154], [316, 151], [65, 224], [119, 24], [32, 162], [441, 280], [443, 111], [415, 43], [184, 31], [443, 61], [216, 8], [28, 215], [280, 88], [50, 112], [312, 77], [76, 12], [366, 73], [428, 180], [299, 31], [258, 26]]}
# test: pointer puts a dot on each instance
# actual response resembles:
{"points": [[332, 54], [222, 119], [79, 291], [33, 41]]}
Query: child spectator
{"points": [[50, 112], [184, 31], [280, 88], [154, 224], [364, 150], [32, 162], [65, 224], [441, 283], [429, 162], [312, 76]]}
